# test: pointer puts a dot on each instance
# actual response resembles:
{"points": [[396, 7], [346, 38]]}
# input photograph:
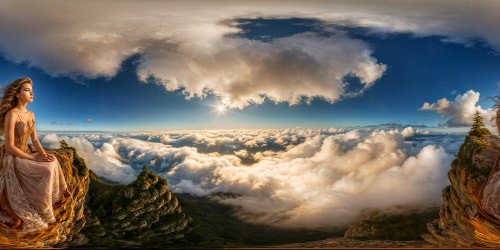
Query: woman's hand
{"points": [[45, 157]]}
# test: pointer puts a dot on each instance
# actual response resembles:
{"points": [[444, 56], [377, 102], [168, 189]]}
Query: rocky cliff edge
{"points": [[70, 217], [103, 214], [458, 224]]}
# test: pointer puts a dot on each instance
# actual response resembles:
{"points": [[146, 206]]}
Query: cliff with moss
{"points": [[143, 212], [102, 214], [459, 224]]}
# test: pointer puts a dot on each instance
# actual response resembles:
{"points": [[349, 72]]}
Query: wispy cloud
{"points": [[61, 122]]}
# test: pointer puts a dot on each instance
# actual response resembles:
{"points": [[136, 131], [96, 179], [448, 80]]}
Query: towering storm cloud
{"points": [[288, 178]]}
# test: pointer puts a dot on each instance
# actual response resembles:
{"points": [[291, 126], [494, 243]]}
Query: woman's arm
{"points": [[9, 124], [34, 138], [37, 144]]}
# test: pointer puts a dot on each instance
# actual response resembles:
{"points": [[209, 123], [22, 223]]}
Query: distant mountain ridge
{"points": [[399, 223]]}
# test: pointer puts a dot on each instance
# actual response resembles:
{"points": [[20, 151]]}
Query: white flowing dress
{"points": [[29, 188]]}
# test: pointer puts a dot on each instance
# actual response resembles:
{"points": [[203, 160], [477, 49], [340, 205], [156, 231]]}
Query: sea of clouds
{"points": [[307, 178]]}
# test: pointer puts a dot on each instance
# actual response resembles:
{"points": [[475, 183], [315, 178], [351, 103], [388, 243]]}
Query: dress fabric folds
{"points": [[28, 188], [489, 197]]}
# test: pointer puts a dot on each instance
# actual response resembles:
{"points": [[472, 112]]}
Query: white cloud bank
{"points": [[322, 179], [190, 45], [460, 112]]}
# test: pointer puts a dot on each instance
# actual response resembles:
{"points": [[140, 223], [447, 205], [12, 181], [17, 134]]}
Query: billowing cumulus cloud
{"points": [[243, 72], [287, 178], [197, 47], [199, 55], [460, 112]]}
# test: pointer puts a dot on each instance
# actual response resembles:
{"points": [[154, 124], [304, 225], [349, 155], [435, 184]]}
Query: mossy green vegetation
{"points": [[215, 226], [212, 225], [472, 146], [478, 128], [111, 209], [474, 143], [79, 165], [143, 212], [401, 226]]}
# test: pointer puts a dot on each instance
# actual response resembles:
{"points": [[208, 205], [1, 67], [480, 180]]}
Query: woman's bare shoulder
{"points": [[9, 117], [10, 113]]}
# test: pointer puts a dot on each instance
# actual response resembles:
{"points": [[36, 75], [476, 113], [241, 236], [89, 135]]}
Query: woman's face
{"points": [[25, 95]]}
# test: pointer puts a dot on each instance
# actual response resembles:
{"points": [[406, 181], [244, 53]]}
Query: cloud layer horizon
{"points": [[294, 178]]}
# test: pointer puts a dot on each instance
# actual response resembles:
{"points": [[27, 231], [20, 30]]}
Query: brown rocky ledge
{"points": [[70, 216], [101, 214], [459, 225]]}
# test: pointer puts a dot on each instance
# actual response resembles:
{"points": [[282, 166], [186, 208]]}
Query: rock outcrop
{"points": [[103, 214], [143, 212], [70, 217], [399, 223], [459, 224]]}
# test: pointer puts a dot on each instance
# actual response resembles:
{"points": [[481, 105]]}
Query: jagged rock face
{"points": [[142, 211], [70, 217], [395, 223], [459, 225]]}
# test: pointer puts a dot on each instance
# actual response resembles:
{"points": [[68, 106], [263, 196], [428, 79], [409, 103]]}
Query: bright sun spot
{"points": [[221, 108]]}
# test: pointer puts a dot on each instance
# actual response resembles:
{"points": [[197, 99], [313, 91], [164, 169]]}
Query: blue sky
{"points": [[411, 67]]}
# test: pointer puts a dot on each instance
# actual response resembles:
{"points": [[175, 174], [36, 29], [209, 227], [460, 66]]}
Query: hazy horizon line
{"points": [[430, 130]]}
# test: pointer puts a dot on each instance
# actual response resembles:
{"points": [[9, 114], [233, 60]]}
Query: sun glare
{"points": [[221, 108]]}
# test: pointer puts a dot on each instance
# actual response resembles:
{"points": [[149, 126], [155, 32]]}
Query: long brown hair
{"points": [[9, 99]]}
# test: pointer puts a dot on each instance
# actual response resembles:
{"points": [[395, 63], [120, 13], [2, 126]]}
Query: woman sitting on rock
{"points": [[32, 183]]}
